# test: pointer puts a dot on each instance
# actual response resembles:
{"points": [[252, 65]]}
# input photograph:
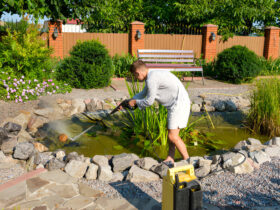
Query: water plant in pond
{"points": [[264, 115]]}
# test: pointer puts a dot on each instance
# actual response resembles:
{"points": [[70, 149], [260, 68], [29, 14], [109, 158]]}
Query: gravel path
{"points": [[10, 172], [226, 190]]}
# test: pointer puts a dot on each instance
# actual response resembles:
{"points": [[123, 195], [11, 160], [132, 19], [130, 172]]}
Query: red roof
{"points": [[73, 21]]}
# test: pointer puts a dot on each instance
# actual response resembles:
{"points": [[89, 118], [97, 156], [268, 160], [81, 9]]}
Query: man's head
{"points": [[139, 70]]}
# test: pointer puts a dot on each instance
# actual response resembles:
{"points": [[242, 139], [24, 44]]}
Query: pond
{"points": [[229, 130]]}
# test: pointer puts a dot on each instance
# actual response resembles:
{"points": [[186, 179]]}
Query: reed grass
{"points": [[264, 115]]}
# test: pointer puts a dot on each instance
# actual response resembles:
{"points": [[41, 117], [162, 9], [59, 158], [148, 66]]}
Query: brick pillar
{"points": [[271, 43], [208, 44], [56, 43], [134, 42]]}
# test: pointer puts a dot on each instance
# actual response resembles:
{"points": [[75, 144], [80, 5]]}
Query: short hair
{"points": [[136, 65]]}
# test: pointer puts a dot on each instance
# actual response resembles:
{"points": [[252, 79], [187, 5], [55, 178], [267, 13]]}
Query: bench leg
{"points": [[202, 77]]}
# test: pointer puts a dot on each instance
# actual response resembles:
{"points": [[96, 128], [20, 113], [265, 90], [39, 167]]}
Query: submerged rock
{"points": [[137, 174]]}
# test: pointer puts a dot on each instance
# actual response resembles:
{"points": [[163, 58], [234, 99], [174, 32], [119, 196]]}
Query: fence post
{"points": [[209, 43], [136, 28], [271, 43], [56, 42]]}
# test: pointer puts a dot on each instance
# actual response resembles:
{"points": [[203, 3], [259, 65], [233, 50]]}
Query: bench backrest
{"points": [[166, 56]]}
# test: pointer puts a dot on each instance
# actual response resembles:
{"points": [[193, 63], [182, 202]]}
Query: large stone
{"points": [[240, 145], [2, 156], [92, 171], [244, 168], [76, 168], [30, 166], [232, 159], [204, 167], [202, 171], [230, 106], [42, 158], [40, 147], [23, 150], [59, 154], [35, 123], [272, 151], [8, 145], [22, 119], [93, 105], [3, 134], [55, 164], [137, 174], [105, 173], [72, 156], [209, 108], [106, 106], [273, 141], [24, 136], [195, 108], [100, 160], [117, 177], [259, 156], [78, 106], [146, 163], [160, 169], [252, 141], [122, 162], [12, 128], [220, 106], [255, 147], [192, 160], [216, 159]]}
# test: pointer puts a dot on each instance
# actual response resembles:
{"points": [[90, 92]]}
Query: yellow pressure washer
{"points": [[181, 190]]}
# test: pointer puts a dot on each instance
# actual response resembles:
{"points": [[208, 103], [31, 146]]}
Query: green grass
{"points": [[264, 116]]}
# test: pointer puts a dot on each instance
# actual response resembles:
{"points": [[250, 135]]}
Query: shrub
{"points": [[88, 66], [23, 53], [264, 115], [237, 64], [122, 64]]}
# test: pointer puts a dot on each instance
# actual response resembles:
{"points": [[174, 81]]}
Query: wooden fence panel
{"points": [[174, 42], [115, 43], [255, 44]]}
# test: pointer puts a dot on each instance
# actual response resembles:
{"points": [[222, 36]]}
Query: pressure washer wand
{"points": [[124, 104]]}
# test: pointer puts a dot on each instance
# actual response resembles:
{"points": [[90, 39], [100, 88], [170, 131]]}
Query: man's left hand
{"points": [[132, 102]]}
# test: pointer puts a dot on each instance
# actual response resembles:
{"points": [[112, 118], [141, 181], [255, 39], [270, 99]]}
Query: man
{"points": [[167, 89]]}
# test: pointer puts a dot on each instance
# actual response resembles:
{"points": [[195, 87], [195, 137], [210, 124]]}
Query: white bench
{"points": [[171, 60]]}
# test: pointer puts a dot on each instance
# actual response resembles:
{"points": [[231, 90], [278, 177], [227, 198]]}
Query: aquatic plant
{"points": [[264, 115]]}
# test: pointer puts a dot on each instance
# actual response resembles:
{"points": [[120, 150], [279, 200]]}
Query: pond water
{"points": [[228, 129]]}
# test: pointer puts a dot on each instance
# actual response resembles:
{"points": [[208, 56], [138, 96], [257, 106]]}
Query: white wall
{"points": [[73, 28]]}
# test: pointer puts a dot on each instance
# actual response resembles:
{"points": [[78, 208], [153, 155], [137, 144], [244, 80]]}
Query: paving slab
{"points": [[78, 202], [40, 208], [13, 194], [27, 204], [64, 191], [35, 183], [87, 191], [53, 201], [58, 176]]}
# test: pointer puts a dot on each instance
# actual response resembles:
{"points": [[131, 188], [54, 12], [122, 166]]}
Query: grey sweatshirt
{"points": [[164, 87]]}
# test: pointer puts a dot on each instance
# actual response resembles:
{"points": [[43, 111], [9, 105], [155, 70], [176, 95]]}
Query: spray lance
{"points": [[124, 104]]}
